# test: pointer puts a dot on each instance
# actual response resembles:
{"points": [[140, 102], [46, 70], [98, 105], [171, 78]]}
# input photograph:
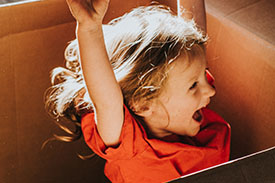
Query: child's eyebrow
{"points": [[193, 78]]}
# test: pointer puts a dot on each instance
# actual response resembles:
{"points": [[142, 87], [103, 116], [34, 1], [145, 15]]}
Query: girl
{"points": [[140, 95]]}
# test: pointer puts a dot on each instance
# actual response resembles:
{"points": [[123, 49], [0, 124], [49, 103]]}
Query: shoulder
{"points": [[131, 139], [88, 120]]}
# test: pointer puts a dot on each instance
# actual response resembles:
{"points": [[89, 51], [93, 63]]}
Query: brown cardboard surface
{"points": [[8, 123], [32, 16], [258, 18], [243, 65], [225, 7], [118, 8], [29, 50]]}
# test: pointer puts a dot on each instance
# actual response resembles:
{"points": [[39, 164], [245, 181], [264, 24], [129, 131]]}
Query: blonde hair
{"points": [[141, 45]]}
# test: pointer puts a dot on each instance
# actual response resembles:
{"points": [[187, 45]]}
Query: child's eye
{"points": [[194, 85]]}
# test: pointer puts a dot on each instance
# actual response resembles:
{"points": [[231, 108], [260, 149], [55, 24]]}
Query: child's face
{"points": [[186, 92]]}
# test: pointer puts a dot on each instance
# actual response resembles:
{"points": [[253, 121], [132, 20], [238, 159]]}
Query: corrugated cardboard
{"points": [[243, 60], [33, 37]]}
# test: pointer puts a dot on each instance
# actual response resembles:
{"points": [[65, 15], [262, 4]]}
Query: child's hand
{"points": [[88, 13]]}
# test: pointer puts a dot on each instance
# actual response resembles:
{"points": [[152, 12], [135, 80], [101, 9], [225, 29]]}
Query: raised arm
{"points": [[97, 71], [194, 9]]}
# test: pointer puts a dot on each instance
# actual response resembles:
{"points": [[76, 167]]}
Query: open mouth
{"points": [[198, 116]]}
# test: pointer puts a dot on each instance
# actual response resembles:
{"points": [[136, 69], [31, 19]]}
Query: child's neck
{"points": [[154, 132], [151, 129]]}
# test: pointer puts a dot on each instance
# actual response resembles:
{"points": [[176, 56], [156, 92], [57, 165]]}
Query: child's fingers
{"points": [[97, 5], [100, 6], [92, 9], [74, 5], [80, 10]]}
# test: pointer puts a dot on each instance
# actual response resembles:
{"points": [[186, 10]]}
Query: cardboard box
{"points": [[241, 54], [33, 37], [257, 168]]}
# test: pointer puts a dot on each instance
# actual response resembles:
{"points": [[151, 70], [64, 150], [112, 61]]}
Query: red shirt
{"points": [[140, 159]]}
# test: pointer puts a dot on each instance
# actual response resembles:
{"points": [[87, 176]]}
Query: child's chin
{"points": [[194, 132]]}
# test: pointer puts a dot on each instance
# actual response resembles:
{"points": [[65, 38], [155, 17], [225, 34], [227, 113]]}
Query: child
{"points": [[142, 105]]}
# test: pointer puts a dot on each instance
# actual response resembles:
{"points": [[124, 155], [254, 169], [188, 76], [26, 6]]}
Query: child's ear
{"points": [[143, 109]]}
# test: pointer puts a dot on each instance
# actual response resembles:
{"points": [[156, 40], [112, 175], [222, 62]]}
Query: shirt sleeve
{"points": [[128, 138]]}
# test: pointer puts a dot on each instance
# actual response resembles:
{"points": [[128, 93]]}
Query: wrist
{"points": [[88, 27], [89, 32]]}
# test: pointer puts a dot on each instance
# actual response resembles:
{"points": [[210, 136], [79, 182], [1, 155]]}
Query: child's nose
{"points": [[208, 90]]}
